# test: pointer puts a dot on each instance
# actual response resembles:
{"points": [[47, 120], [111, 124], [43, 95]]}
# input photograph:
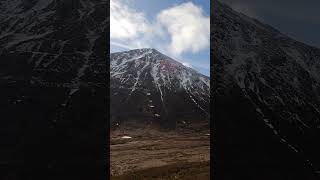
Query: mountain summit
{"points": [[143, 78]]}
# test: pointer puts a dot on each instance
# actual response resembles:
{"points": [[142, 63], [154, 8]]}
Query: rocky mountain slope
{"points": [[149, 85], [266, 100], [52, 87]]}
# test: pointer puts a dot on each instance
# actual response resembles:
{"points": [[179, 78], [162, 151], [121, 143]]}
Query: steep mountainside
{"points": [[147, 84], [266, 99], [53, 86]]}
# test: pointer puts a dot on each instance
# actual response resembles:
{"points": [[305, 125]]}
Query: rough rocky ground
{"points": [[154, 154]]}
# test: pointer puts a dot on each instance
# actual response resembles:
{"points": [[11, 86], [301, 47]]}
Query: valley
{"points": [[156, 154], [159, 118]]}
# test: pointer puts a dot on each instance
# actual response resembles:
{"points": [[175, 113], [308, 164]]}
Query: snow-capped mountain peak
{"points": [[163, 69], [147, 70]]}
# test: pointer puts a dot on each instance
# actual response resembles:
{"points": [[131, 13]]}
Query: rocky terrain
{"points": [[265, 100]]}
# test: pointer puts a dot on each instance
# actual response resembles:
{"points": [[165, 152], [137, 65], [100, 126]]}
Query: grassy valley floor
{"points": [[152, 154]]}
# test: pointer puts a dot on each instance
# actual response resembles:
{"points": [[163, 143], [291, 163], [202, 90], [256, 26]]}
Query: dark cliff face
{"points": [[146, 84], [266, 99], [53, 87]]}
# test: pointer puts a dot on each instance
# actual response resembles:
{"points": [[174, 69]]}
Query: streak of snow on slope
{"points": [[132, 68]]}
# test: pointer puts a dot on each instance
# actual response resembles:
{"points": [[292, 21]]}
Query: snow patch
{"points": [[126, 137]]}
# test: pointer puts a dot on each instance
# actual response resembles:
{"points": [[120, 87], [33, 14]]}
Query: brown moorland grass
{"points": [[181, 170], [154, 154]]}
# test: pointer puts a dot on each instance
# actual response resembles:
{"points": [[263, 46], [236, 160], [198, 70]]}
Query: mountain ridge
{"points": [[148, 70], [155, 50]]}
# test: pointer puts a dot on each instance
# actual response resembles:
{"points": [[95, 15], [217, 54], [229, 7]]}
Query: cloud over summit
{"points": [[189, 29], [175, 30]]}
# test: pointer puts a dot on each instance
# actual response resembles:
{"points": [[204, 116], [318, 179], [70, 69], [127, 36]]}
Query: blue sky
{"points": [[177, 28]]}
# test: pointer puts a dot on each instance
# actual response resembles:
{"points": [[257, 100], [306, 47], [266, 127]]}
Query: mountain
{"points": [[266, 100], [146, 84], [53, 87]]}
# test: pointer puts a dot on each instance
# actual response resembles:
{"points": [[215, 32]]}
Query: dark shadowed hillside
{"points": [[53, 88], [266, 101]]}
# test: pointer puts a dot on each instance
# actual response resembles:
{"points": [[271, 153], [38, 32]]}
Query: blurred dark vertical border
{"points": [[243, 146], [107, 122], [54, 89], [212, 84]]}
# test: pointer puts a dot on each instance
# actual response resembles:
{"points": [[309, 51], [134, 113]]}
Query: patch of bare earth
{"points": [[152, 154]]}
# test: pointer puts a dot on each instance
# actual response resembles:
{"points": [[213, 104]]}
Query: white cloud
{"points": [[126, 23], [188, 27], [131, 29], [176, 30]]}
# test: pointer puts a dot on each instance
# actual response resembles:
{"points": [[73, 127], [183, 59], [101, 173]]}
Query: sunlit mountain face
{"points": [[144, 77]]}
